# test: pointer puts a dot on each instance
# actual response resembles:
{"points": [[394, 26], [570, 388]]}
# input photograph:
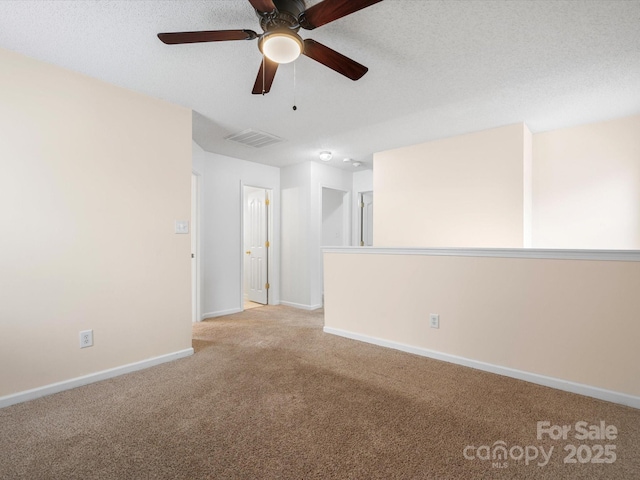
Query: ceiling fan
{"points": [[280, 42]]}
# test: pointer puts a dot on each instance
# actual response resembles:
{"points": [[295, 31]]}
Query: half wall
{"points": [[562, 318]]}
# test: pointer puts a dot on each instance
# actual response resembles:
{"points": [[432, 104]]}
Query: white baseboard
{"points": [[567, 386], [300, 305], [221, 313], [91, 378]]}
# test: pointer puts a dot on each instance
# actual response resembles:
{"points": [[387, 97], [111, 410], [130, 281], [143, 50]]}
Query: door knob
{"points": [[248, 252]]}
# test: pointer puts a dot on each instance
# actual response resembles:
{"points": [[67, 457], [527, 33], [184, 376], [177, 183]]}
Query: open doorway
{"points": [[335, 228], [334, 218], [256, 205]]}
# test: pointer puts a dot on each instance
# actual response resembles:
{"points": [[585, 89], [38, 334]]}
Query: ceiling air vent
{"points": [[254, 138]]}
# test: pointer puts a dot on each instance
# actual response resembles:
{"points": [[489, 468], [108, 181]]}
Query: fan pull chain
{"points": [[263, 75], [294, 87]]}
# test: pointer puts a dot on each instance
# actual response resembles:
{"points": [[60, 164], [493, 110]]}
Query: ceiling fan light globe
{"points": [[282, 47]]}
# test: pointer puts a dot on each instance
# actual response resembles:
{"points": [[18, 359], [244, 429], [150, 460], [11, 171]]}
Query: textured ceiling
{"points": [[436, 68]]}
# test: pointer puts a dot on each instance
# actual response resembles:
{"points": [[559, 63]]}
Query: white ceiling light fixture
{"points": [[356, 164], [281, 47], [347, 160], [326, 156]]}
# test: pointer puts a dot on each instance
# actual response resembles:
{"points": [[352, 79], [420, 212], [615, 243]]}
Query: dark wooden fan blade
{"points": [[207, 36], [265, 77], [330, 10], [265, 6], [334, 60]]}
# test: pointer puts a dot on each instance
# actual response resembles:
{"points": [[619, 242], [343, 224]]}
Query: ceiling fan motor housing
{"points": [[285, 17]]}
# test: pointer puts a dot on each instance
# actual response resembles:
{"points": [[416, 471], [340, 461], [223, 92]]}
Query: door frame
{"points": [[270, 238], [359, 219], [196, 211]]}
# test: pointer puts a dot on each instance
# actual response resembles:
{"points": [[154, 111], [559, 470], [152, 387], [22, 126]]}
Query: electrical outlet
{"points": [[434, 320], [86, 338]]}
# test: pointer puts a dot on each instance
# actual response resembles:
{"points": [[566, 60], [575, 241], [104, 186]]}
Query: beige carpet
{"points": [[269, 395]]}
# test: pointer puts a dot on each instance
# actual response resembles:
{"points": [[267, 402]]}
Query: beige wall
{"points": [[465, 191], [92, 179], [587, 186], [572, 320]]}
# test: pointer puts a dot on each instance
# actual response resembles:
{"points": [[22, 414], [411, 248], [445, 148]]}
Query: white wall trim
{"points": [[221, 313], [567, 386], [535, 253], [91, 378], [242, 254], [300, 306]]}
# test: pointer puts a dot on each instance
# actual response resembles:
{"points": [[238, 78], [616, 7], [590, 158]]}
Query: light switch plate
{"points": [[182, 226]]}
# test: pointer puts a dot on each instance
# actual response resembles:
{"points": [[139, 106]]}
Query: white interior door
{"points": [[256, 246]]}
